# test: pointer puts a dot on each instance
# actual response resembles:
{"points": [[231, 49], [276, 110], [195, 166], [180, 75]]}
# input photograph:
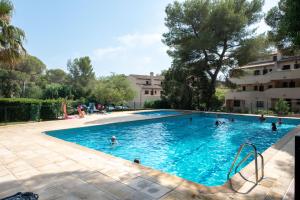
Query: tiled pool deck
{"points": [[56, 169]]}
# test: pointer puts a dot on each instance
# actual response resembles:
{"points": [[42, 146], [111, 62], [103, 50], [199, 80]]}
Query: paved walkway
{"points": [[56, 169]]}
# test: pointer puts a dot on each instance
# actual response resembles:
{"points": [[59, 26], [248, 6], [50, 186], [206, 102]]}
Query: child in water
{"points": [[218, 123], [274, 128], [113, 140], [279, 121], [262, 118], [137, 161]]}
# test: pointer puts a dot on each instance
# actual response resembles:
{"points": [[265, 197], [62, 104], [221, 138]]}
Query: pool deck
{"points": [[56, 169]]}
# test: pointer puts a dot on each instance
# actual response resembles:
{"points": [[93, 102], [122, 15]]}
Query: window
{"points": [[256, 72], [154, 91], [146, 91], [274, 58], [151, 92], [255, 88], [285, 84], [259, 104], [296, 66], [147, 83], [236, 103], [286, 67], [270, 86], [244, 88], [292, 84], [261, 88], [265, 71], [298, 101]]}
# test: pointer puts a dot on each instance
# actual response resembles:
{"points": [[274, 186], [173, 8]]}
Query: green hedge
{"points": [[21, 109], [158, 104]]}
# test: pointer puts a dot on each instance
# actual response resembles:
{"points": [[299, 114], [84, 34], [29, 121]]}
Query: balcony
{"points": [[234, 94], [261, 79], [285, 93]]}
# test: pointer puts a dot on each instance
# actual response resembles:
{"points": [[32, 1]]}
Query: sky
{"points": [[119, 36]]}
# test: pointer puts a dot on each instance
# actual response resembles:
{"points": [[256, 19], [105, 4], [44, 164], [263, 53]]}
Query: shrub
{"points": [[51, 109], [22, 109], [282, 107], [264, 112], [158, 104]]}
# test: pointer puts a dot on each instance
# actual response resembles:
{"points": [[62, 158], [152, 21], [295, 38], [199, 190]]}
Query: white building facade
{"points": [[147, 88], [265, 82]]}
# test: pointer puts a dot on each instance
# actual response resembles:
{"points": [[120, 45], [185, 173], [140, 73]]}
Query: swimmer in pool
{"points": [[113, 140], [218, 123], [279, 121], [262, 118], [274, 128]]}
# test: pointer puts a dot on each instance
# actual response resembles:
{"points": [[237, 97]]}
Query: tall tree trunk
{"points": [[210, 93]]}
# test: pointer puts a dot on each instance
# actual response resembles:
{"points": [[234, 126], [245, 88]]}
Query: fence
{"points": [[135, 105]]}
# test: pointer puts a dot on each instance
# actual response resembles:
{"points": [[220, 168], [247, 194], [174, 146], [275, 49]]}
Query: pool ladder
{"points": [[253, 152]]}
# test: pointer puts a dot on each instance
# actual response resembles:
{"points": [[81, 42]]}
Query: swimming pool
{"points": [[195, 149], [158, 113]]}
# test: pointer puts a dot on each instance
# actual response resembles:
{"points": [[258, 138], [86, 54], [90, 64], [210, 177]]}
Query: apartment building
{"points": [[264, 82], [147, 88]]}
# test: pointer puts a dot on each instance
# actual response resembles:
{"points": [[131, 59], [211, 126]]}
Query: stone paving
{"points": [[56, 169]]}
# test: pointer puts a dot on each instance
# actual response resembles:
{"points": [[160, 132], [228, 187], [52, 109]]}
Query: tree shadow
{"points": [[79, 184]]}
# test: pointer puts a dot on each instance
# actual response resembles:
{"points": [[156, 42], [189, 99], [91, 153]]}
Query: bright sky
{"points": [[119, 36]]}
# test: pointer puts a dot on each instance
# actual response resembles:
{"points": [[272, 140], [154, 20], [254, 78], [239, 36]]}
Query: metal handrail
{"points": [[255, 153]]}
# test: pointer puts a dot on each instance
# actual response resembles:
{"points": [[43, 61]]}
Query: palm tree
{"points": [[11, 37]]}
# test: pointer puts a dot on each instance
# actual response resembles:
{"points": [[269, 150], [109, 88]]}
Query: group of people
{"points": [[274, 127], [261, 119], [83, 109]]}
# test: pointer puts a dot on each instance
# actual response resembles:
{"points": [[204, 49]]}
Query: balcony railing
{"points": [[274, 75], [286, 93]]}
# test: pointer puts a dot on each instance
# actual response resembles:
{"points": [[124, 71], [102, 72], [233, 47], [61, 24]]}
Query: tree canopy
{"points": [[56, 76], [82, 76], [11, 37], [114, 89], [204, 39], [24, 75], [284, 19]]}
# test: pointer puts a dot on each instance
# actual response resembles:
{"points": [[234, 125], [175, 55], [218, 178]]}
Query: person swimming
{"points": [[113, 140], [262, 118], [231, 119], [274, 128], [137, 161], [218, 123], [279, 121]]}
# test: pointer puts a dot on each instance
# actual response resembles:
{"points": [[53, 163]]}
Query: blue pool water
{"points": [[159, 113], [195, 150]]}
